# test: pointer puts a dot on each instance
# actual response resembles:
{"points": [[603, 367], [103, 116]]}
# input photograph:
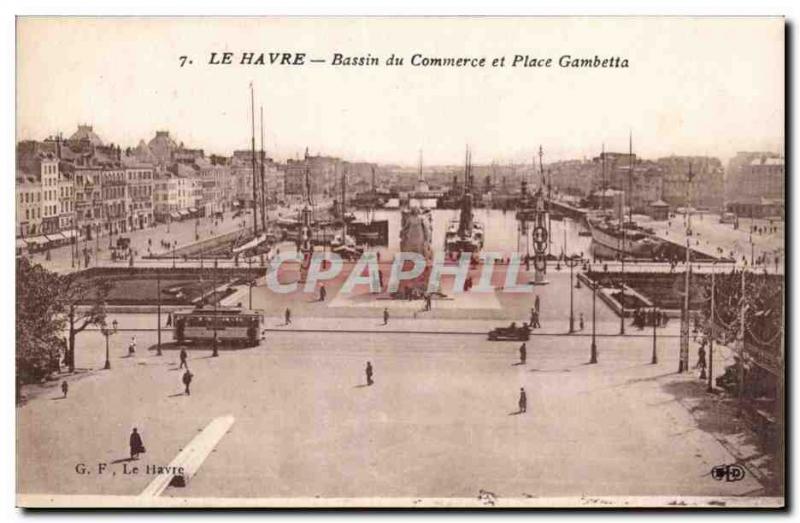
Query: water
{"points": [[501, 232]]}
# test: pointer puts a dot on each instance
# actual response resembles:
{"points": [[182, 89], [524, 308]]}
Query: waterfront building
{"points": [[707, 190], [28, 192], [139, 182], [755, 175]]}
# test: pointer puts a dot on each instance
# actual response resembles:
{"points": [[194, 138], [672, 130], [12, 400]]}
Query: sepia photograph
{"points": [[400, 262]]}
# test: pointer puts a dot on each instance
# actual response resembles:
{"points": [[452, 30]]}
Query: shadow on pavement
{"points": [[717, 414]]}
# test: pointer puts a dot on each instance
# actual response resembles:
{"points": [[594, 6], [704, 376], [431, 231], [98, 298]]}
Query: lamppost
{"points": [[571, 262], [250, 295], [712, 330], [654, 359], [214, 353], [158, 313], [174, 244], [108, 333], [593, 358]]}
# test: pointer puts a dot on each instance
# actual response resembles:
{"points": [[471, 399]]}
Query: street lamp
{"points": [[593, 358], [710, 387], [108, 333], [158, 313], [250, 272], [654, 359], [214, 353], [571, 262]]}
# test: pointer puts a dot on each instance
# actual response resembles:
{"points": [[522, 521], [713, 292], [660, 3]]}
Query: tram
{"points": [[231, 325]]}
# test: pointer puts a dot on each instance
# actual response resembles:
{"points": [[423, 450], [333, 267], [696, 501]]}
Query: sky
{"points": [[695, 86]]}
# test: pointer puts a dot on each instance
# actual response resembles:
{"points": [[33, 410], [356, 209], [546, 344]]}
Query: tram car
{"points": [[231, 325]]}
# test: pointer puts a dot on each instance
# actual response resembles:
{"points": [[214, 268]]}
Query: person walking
{"points": [[701, 356], [536, 303], [385, 316], [523, 354], [322, 293], [64, 388], [132, 346], [535, 320], [368, 371], [187, 380], [169, 319], [137, 447], [523, 400], [183, 355], [288, 316]]}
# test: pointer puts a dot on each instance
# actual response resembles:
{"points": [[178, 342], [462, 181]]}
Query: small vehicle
{"points": [[511, 333]]}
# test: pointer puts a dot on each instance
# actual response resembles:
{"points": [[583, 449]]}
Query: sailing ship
{"points": [[618, 235], [464, 234], [260, 242]]}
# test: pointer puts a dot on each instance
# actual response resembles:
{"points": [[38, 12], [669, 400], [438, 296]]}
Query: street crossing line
{"points": [[191, 457]]}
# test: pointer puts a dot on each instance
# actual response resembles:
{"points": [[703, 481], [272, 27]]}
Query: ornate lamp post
{"points": [[571, 262], [214, 353], [593, 358], [654, 359], [108, 333]]}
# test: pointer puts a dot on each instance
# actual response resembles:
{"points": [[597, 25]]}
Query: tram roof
{"points": [[219, 310]]}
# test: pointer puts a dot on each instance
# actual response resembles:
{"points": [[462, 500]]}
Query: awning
{"points": [[21, 243], [55, 237], [70, 233], [192, 210], [174, 215], [183, 213], [37, 240]]}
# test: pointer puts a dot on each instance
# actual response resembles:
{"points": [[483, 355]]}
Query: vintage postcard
{"points": [[400, 262]]}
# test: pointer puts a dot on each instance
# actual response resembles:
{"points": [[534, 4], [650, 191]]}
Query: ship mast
{"points": [[343, 207], [253, 159], [263, 189], [603, 187]]}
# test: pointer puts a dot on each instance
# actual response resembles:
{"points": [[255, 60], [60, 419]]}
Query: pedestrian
{"points": [[535, 320], [64, 388], [137, 447], [580, 321], [536, 303], [523, 400], [523, 354], [132, 346], [322, 293], [701, 356], [187, 380], [183, 355], [385, 316], [288, 316], [169, 319], [368, 371]]}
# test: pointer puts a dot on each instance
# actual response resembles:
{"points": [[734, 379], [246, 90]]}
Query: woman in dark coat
{"points": [[137, 447]]}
